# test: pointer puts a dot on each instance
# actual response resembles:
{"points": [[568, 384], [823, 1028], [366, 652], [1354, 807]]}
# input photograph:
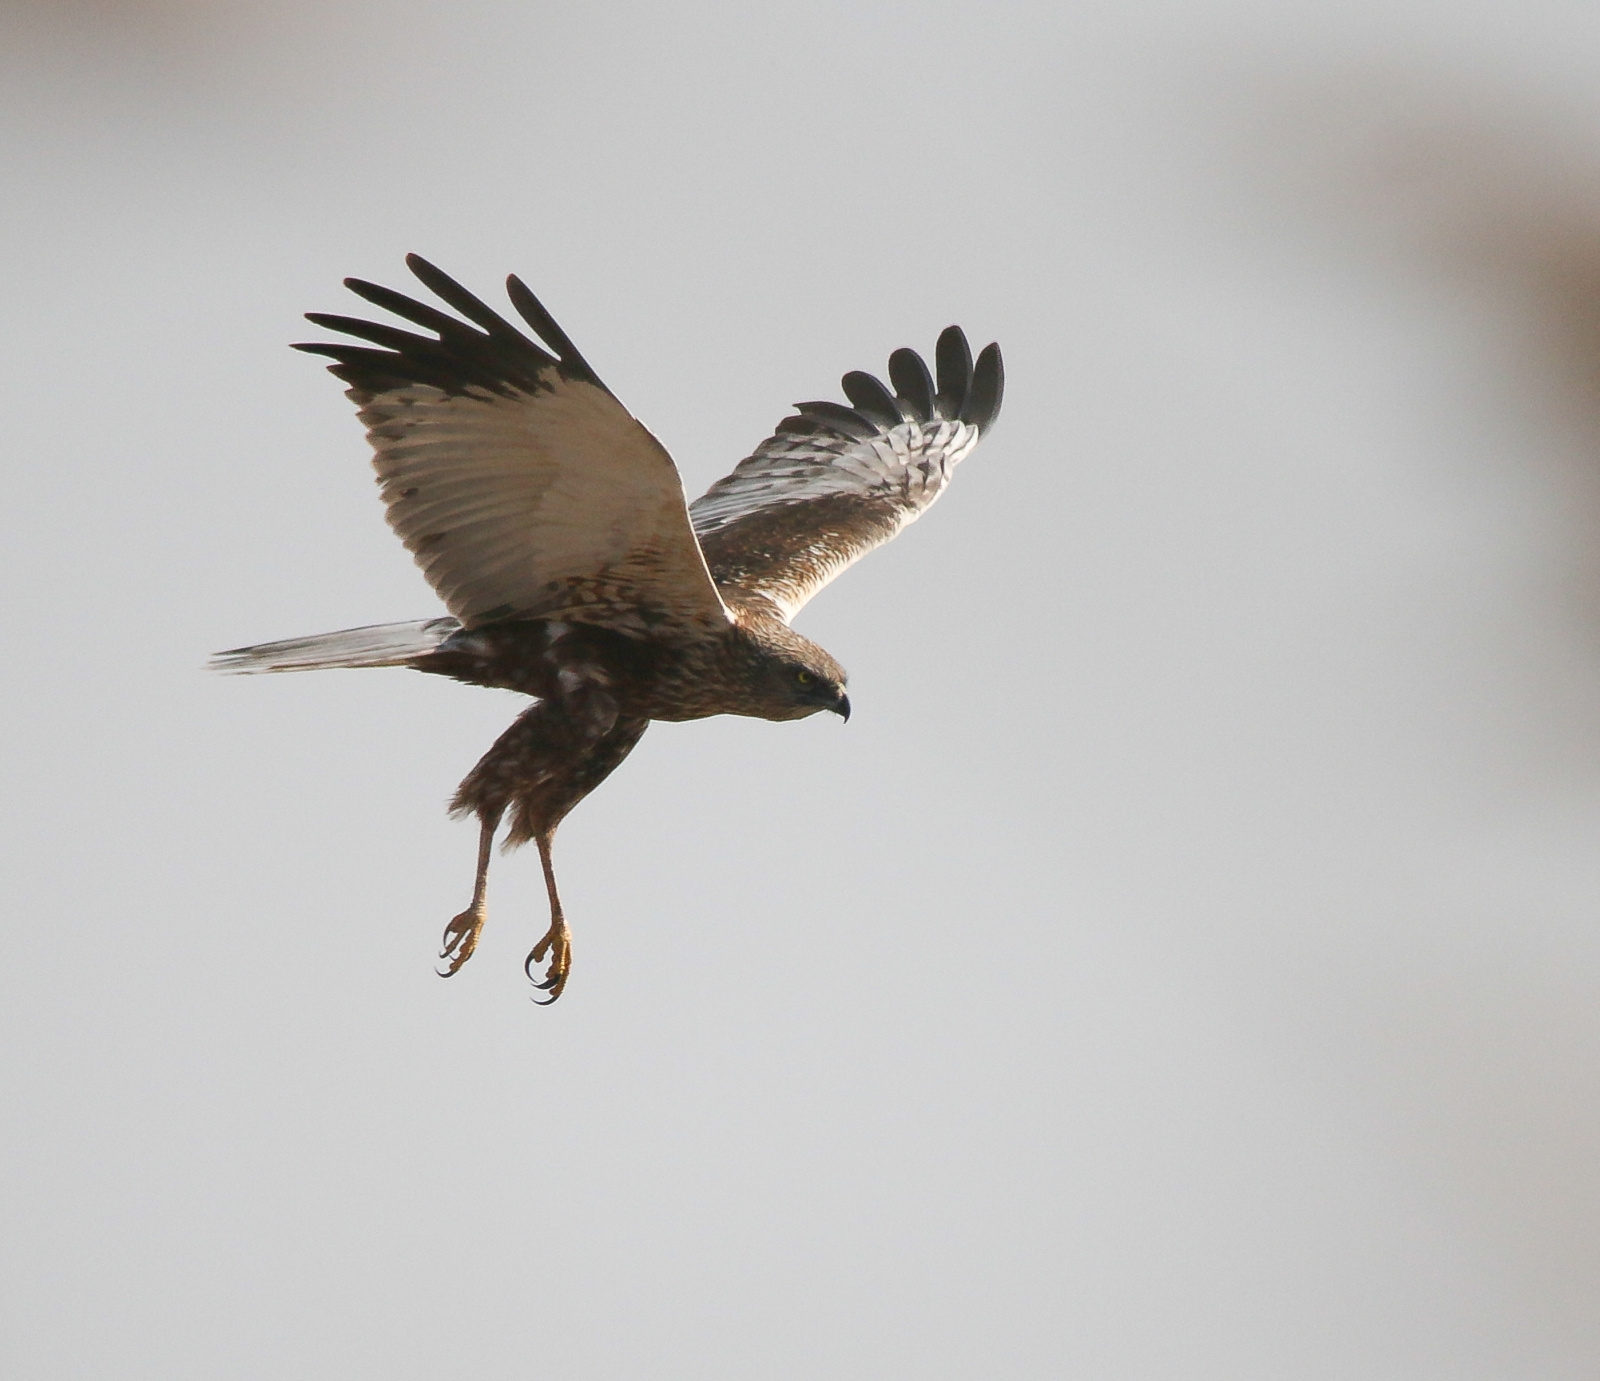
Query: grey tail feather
{"points": [[380, 645]]}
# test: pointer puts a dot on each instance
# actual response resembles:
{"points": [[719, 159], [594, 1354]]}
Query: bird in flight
{"points": [[554, 527]]}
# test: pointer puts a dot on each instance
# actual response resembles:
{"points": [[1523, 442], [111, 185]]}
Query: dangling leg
{"points": [[557, 941], [540, 768], [461, 935], [564, 779]]}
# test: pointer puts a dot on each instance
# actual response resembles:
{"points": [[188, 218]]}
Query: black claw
{"points": [[551, 983]]}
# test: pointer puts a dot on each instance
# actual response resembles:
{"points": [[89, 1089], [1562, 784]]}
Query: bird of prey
{"points": [[553, 526]]}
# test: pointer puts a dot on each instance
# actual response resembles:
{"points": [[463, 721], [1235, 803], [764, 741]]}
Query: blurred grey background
{"points": [[1186, 962]]}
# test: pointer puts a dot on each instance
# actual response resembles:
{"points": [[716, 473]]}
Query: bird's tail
{"points": [[381, 645]]}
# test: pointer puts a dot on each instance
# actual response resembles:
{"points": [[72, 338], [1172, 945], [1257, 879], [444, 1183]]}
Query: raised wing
{"points": [[521, 485], [833, 482]]}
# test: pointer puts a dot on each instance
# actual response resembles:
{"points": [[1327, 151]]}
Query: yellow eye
{"points": [[803, 677]]}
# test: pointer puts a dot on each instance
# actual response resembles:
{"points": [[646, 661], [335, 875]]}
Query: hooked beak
{"points": [[842, 707]]}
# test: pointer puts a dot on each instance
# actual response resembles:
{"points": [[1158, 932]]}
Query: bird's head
{"points": [[791, 677]]}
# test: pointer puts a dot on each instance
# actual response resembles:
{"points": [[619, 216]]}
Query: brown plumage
{"points": [[554, 528]]}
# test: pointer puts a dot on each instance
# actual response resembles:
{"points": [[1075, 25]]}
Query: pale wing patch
{"points": [[913, 461], [539, 504]]}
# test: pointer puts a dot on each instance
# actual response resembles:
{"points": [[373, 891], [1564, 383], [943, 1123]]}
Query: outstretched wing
{"points": [[521, 485], [834, 482]]}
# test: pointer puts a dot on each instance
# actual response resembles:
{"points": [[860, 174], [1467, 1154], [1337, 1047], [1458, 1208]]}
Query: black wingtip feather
{"points": [[419, 313], [389, 336], [463, 358], [953, 356], [988, 389], [447, 290], [376, 371], [534, 312], [837, 417], [967, 392], [485, 351], [872, 400], [908, 372], [366, 377]]}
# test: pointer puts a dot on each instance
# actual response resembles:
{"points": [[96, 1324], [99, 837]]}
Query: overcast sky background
{"points": [[1185, 964]]}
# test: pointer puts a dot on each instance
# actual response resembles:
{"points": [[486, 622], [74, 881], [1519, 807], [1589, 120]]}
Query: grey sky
{"points": [[1183, 965]]}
